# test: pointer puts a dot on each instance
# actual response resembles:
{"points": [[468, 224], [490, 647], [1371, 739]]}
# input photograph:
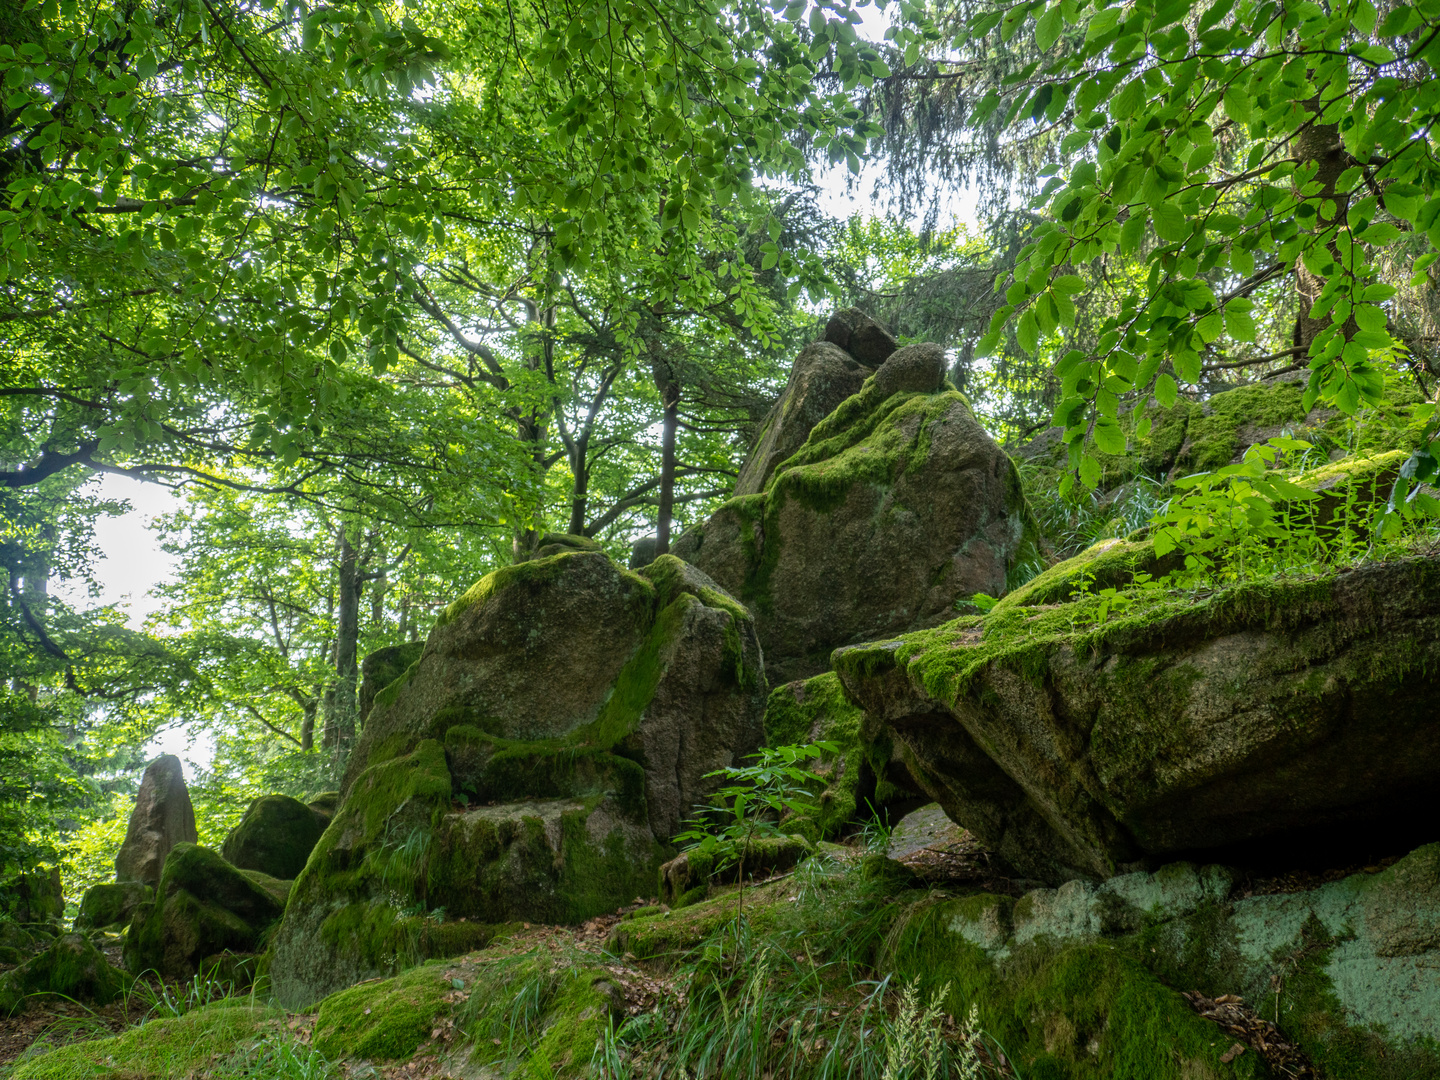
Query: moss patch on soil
{"points": [[157, 1050]]}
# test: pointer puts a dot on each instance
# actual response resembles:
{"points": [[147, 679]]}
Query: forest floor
{"points": [[946, 858]]}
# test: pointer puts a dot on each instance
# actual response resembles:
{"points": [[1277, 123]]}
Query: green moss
{"points": [[72, 967], [534, 572], [111, 904], [1076, 1012], [595, 873], [157, 1050], [382, 1021], [817, 710], [278, 889], [579, 1017], [537, 1015], [1214, 438], [635, 686], [666, 939], [388, 695], [275, 836], [1109, 563], [948, 660]]}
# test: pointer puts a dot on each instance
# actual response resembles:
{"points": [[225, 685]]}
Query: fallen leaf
{"points": [[1231, 1054]]}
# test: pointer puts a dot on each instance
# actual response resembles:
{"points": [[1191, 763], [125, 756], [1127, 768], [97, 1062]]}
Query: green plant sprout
{"points": [[749, 807]]}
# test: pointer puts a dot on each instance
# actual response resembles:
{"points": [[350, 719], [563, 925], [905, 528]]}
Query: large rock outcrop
{"points": [[534, 763], [162, 818], [897, 504], [1274, 713], [275, 836]]}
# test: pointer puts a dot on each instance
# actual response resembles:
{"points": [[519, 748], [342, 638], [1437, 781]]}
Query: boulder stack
{"points": [[275, 837], [533, 764], [863, 514]]}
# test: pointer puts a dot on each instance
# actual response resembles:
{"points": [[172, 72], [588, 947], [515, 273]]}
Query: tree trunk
{"points": [[580, 499], [307, 726], [1320, 145], [668, 386], [342, 703], [667, 475]]}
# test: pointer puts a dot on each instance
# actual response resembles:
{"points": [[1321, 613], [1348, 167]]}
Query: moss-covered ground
{"points": [[847, 966]]}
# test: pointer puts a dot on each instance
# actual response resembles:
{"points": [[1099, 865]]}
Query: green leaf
{"points": [[1027, 331], [1171, 223], [1109, 438], [1166, 390], [1047, 28]]}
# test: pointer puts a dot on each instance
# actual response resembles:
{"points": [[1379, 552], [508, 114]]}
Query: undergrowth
{"points": [[800, 995]]}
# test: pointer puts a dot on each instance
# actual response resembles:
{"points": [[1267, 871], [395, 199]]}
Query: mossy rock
{"points": [[156, 1050], [34, 896], [1298, 710], [72, 968], [823, 375], [531, 765], [551, 543], [377, 671], [275, 837], [862, 780], [1345, 969], [202, 906], [111, 904], [896, 505], [383, 1020], [1077, 1012], [688, 877], [14, 936]]}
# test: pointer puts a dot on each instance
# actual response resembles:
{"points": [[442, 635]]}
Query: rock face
{"points": [[382, 667], [822, 377], [202, 906], [1277, 712], [860, 336], [275, 837], [1347, 969], [552, 738], [162, 818], [111, 904], [896, 505], [72, 968]]}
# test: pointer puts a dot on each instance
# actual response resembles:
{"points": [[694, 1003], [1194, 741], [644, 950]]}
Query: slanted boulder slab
{"points": [[822, 376], [202, 906], [162, 818], [1268, 715]]}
